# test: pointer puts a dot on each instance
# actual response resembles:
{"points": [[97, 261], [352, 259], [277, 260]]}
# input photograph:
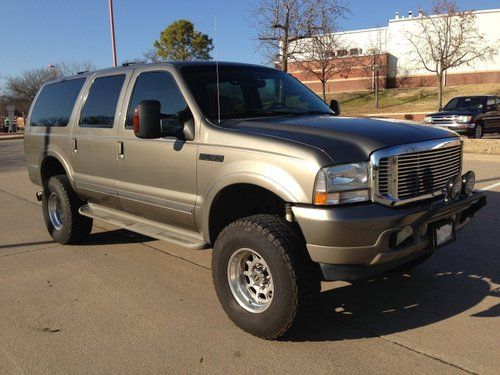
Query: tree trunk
{"points": [[440, 90], [376, 89], [323, 86]]}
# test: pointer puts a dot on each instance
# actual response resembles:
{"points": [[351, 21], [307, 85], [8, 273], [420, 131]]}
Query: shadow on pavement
{"points": [[117, 236], [455, 279]]}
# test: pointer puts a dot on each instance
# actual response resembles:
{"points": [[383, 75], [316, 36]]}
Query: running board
{"points": [[191, 240]]}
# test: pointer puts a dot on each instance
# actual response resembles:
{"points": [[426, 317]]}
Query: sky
{"points": [[37, 33]]}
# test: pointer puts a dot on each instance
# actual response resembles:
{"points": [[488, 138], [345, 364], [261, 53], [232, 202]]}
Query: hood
{"points": [[343, 139], [454, 113]]}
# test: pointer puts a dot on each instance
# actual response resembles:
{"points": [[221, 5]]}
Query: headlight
{"points": [[427, 119], [345, 183], [464, 119]]}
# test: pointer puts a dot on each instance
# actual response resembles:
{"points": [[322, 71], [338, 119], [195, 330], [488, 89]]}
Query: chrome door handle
{"points": [[119, 150], [75, 146]]}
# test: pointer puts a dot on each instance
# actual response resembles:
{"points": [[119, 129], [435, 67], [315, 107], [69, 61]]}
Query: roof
{"points": [[177, 64]]}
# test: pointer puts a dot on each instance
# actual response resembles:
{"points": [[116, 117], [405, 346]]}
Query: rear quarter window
{"points": [[55, 103]]}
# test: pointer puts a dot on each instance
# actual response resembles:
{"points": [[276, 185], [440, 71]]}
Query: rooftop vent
{"points": [[410, 14]]}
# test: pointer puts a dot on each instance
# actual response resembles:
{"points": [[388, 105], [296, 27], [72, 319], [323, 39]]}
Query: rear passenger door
{"points": [[157, 177], [94, 139]]}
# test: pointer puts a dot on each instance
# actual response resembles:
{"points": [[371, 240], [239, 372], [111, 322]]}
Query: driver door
{"points": [[156, 177]]}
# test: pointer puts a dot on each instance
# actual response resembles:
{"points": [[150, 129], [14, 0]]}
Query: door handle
{"points": [[119, 150], [75, 146]]}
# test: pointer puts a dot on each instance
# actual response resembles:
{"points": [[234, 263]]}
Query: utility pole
{"points": [[112, 27]]}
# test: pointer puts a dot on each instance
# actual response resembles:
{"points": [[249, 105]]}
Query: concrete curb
{"points": [[14, 136]]}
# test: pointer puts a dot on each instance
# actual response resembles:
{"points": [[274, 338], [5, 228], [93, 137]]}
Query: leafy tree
{"points": [[181, 42]]}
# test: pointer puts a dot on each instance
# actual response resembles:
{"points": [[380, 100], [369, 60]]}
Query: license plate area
{"points": [[443, 232]]}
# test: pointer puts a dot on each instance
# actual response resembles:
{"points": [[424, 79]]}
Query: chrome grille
{"points": [[438, 120], [412, 172]]}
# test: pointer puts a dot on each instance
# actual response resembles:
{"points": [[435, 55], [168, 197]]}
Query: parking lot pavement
{"points": [[127, 303]]}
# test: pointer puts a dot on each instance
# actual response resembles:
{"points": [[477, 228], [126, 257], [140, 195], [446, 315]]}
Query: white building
{"points": [[402, 67]]}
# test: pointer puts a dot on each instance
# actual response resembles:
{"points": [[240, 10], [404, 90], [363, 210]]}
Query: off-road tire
{"points": [[75, 227], [478, 131], [296, 278]]}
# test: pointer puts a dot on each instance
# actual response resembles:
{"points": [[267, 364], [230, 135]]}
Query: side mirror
{"points": [[147, 119], [335, 107]]}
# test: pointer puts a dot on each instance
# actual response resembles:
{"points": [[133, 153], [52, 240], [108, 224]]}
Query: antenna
{"points": [[217, 68]]}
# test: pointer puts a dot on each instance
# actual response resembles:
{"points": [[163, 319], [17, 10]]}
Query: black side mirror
{"points": [[335, 107], [147, 119]]}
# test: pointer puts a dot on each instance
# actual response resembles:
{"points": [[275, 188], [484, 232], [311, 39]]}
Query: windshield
{"points": [[465, 104], [250, 92]]}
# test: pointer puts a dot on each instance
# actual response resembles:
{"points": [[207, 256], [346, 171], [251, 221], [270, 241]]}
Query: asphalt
{"points": [[125, 303]]}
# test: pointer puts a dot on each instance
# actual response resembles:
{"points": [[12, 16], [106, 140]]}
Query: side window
{"points": [[100, 106], [159, 86], [498, 103], [55, 103], [490, 104]]}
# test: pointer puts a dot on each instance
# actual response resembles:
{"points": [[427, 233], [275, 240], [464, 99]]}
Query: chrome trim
{"points": [[392, 154]]}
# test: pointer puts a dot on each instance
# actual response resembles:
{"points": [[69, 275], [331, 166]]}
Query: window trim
{"points": [[132, 90], [117, 106]]}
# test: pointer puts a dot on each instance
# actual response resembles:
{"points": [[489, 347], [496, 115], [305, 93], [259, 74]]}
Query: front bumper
{"points": [[364, 234], [461, 128]]}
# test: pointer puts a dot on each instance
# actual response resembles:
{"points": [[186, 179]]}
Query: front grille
{"points": [[407, 176], [440, 120]]}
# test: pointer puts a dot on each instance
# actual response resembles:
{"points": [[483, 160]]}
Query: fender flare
{"points": [[237, 179]]}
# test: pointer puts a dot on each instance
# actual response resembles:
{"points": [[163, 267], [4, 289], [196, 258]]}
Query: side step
{"points": [[191, 240]]}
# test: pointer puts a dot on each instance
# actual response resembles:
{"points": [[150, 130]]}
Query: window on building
{"points": [[342, 52], [100, 107], [159, 86], [355, 51], [55, 103]]}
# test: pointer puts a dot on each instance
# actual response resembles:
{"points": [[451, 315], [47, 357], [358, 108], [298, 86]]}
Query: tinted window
{"points": [[464, 104], [100, 106], [159, 86], [55, 103], [250, 92]]}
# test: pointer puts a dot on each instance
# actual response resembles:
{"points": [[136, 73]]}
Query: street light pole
{"points": [[112, 27]]}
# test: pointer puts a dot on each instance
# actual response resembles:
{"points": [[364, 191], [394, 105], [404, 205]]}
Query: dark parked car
{"points": [[469, 115]]}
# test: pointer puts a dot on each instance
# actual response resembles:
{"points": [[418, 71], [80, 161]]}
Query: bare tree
{"points": [[374, 63], [21, 90], [318, 57], [283, 22], [447, 39], [67, 69], [151, 56]]}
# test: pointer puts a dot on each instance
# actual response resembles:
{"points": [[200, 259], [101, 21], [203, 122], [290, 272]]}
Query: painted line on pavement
{"points": [[489, 187]]}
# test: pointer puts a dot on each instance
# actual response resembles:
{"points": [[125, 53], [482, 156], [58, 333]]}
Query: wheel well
{"points": [[241, 200], [51, 167]]}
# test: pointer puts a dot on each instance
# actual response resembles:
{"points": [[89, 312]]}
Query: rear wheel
{"points": [[263, 277], [60, 207]]}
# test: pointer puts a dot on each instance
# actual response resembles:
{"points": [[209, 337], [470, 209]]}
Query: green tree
{"points": [[181, 42]]}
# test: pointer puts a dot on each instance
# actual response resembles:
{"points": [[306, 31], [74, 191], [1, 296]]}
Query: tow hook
{"points": [[39, 196]]}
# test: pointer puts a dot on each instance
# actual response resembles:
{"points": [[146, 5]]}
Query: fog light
{"points": [[453, 188], [468, 182]]}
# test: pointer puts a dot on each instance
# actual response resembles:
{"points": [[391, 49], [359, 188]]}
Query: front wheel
{"points": [[60, 207], [478, 132], [263, 276]]}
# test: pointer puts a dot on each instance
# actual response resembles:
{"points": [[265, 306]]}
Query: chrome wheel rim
{"points": [[250, 280], [55, 211]]}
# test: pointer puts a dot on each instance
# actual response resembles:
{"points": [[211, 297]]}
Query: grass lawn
{"points": [[419, 99]]}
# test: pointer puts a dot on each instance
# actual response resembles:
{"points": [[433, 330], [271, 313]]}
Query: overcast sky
{"points": [[36, 33]]}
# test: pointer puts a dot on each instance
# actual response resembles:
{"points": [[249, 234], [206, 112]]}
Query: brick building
{"points": [[396, 63]]}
